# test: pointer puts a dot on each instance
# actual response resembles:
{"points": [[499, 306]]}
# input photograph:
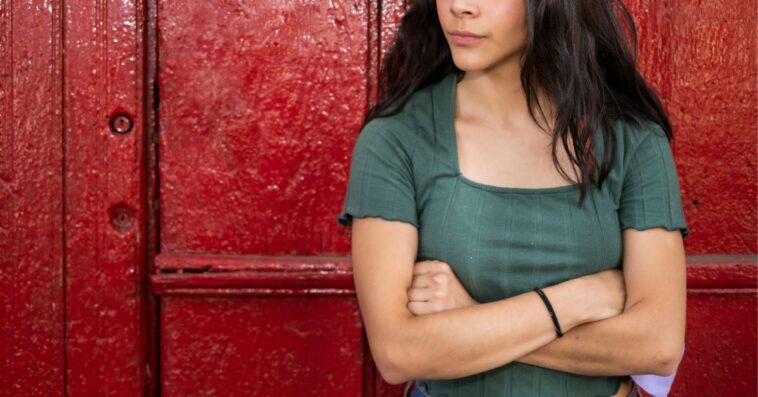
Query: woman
{"points": [[482, 268]]}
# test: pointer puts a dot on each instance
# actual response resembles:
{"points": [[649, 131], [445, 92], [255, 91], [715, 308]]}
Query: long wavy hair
{"points": [[580, 54]]}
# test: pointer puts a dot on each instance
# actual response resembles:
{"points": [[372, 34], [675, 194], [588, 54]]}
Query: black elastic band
{"points": [[550, 309]]}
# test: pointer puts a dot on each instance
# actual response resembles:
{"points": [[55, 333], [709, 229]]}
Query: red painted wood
{"points": [[71, 199], [227, 263], [152, 188], [720, 359], [31, 197], [714, 107], [711, 273], [260, 104], [721, 334], [287, 282], [247, 346], [701, 57], [104, 198]]}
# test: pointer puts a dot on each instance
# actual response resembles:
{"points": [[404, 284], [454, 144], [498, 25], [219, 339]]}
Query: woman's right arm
{"points": [[453, 343]]}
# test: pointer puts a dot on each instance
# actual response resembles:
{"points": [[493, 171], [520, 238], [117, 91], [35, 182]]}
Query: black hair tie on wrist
{"points": [[550, 309]]}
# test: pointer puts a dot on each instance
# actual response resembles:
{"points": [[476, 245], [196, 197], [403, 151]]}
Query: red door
{"points": [[171, 172], [74, 219], [260, 103]]}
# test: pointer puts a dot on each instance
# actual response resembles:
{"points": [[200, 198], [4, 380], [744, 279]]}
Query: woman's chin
{"points": [[470, 65], [471, 62]]}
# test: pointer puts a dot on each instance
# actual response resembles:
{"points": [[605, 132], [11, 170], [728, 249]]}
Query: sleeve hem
{"points": [[346, 218], [684, 229]]}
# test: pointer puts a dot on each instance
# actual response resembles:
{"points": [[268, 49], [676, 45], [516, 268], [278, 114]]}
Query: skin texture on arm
{"points": [[648, 336], [477, 338]]}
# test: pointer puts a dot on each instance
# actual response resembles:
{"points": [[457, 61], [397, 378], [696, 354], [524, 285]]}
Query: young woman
{"points": [[515, 163]]}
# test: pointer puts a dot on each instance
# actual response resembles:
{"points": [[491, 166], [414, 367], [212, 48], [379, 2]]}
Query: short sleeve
{"points": [[380, 183], [650, 195]]}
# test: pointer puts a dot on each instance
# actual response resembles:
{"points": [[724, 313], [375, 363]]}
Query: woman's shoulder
{"points": [[637, 134], [632, 132], [412, 122]]}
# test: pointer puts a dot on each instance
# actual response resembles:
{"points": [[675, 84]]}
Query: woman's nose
{"points": [[461, 8]]}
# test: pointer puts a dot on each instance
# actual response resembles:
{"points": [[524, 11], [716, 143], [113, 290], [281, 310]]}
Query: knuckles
{"points": [[435, 265]]}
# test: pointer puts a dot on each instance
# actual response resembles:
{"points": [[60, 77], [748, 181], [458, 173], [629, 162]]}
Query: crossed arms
{"points": [[646, 338]]}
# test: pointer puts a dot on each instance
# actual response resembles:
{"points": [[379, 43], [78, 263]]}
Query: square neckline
{"points": [[448, 126]]}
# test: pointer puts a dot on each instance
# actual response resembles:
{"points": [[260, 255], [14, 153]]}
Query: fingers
{"points": [[419, 294], [422, 281], [428, 291], [426, 280], [419, 308], [429, 288]]}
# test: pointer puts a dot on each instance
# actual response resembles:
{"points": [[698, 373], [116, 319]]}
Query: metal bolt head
{"points": [[121, 124]]}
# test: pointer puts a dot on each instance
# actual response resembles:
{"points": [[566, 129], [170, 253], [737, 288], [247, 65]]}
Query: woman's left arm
{"points": [[647, 338]]}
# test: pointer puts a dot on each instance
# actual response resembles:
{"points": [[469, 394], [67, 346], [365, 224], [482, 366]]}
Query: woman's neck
{"points": [[496, 97]]}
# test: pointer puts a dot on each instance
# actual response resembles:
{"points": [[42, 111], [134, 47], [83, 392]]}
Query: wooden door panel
{"points": [[260, 104], [261, 345]]}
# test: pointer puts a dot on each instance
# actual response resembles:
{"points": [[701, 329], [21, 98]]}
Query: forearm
{"points": [[482, 337], [621, 345]]}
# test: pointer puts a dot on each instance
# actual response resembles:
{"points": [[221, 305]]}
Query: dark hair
{"points": [[581, 53]]}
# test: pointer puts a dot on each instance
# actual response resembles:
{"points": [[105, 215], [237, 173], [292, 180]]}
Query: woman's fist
{"points": [[435, 288]]}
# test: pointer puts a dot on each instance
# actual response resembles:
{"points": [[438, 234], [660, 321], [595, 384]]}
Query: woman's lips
{"points": [[464, 38]]}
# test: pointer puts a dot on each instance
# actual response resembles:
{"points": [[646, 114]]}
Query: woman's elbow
{"points": [[665, 361], [392, 375], [394, 362]]}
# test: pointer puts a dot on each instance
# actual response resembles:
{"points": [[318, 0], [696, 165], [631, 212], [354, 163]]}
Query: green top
{"points": [[504, 241]]}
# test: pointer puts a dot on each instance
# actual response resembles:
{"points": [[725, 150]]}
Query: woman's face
{"points": [[498, 26]]}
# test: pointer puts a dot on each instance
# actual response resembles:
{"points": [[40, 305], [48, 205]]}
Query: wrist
{"points": [[550, 310], [570, 304]]}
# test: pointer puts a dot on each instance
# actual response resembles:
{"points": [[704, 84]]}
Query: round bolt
{"points": [[121, 124]]}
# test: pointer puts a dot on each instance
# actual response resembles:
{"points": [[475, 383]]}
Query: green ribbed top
{"points": [[503, 241]]}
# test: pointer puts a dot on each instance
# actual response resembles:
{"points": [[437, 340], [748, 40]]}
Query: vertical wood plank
{"points": [[31, 184], [105, 197]]}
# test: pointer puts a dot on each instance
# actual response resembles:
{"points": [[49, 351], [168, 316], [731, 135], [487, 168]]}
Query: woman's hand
{"points": [[606, 293], [435, 288]]}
